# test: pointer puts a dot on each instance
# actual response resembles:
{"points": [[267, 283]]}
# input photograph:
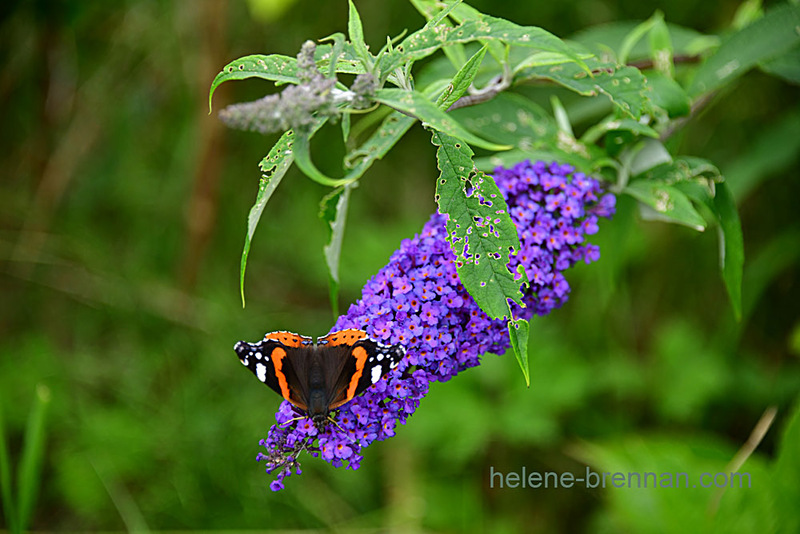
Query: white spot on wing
{"points": [[380, 357], [376, 373], [258, 355], [261, 371]]}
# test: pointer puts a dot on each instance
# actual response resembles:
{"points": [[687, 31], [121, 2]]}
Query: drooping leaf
{"points": [[480, 230], [337, 49], [333, 212], [390, 131], [414, 103], [518, 331], [302, 156], [768, 37], [273, 167], [731, 247]]}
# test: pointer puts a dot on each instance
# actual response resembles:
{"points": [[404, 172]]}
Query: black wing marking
{"points": [[273, 364], [368, 361]]}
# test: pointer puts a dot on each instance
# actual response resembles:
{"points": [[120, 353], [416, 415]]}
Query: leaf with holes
{"points": [[625, 86], [431, 38], [273, 167], [283, 69], [479, 228]]}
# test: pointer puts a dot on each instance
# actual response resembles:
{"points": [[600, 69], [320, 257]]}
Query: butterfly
{"points": [[319, 377]]}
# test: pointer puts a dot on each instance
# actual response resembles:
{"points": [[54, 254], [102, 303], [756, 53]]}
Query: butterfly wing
{"points": [[355, 362], [271, 360]]}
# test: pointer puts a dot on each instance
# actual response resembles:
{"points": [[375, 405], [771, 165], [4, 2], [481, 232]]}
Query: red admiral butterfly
{"points": [[318, 378]]}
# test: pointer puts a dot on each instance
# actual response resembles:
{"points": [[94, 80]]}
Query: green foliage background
{"points": [[124, 210]]}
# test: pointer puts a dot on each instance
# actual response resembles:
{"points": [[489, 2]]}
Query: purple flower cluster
{"points": [[417, 300]]}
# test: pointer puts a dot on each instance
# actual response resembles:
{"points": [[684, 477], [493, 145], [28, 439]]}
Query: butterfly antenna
{"points": [[292, 420], [332, 420]]}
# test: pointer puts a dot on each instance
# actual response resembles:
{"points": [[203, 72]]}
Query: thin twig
{"points": [[738, 460]]}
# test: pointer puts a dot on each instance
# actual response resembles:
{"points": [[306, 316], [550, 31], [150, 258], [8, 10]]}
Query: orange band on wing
{"points": [[288, 338], [278, 354], [361, 359], [343, 337]]}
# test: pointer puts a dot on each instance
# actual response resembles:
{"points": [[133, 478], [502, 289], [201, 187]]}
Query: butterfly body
{"points": [[319, 377]]}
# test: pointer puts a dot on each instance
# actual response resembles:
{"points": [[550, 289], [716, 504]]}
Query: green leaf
{"points": [[636, 35], [461, 81], [336, 52], [682, 168], [518, 331], [560, 114], [731, 247], [30, 466], [747, 12], [6, 490], [661, 47], [666, 203], [333, 212], [429, 39], [613, 124], [282, 69], [772, 151], [603, 38], [768, 37], [356, 33], [509, 119], [302, 156], [480, 230], [646, 155], [786, 472], [668, 95], [414, 103], [786, 65], [390, 131], [430, 9], [625, 86], [273, 167]]}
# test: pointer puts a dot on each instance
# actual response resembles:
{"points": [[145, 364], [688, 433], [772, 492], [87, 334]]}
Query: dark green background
{"points": [[122, 222]]}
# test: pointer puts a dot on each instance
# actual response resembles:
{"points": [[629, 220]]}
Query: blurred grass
{"points": [[124, 212]]}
